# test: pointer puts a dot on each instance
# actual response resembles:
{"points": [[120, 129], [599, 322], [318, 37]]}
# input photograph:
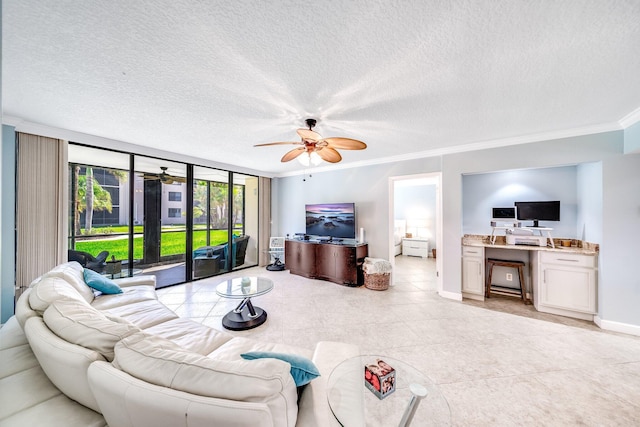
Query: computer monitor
{"points": [[538, 211]]}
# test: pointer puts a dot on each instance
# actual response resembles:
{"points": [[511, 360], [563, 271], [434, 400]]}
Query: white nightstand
{"points": [[415, 246]]}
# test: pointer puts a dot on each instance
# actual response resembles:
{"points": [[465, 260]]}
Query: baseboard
{"points": [[610, 325], [451, 295]]}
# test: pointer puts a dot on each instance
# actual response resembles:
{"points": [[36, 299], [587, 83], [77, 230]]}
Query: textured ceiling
{"points": [[212, 78]]}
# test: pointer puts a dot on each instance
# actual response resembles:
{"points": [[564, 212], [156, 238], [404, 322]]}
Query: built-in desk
{"points": [[559, 280]]}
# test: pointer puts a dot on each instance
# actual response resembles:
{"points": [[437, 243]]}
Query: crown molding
{"points": [[22, 125], [97, 141], [630, 119], [472, 146]]}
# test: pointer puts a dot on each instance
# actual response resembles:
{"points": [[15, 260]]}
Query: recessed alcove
{"points": [[577, 187]]}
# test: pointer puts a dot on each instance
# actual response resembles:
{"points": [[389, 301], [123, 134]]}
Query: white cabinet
{"points": [[415, 247], [473, 272], [567, 284]]}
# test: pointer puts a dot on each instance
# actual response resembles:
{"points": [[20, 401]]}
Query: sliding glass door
{"points": [[99, 207], [161, 234], [176, 221]]}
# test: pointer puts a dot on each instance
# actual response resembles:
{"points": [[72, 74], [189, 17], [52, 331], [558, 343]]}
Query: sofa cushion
{"points": [[100, 283], [161, 362], [143, 314], [72, 272], [130, 295], [302, 369], [81, 324], [191, 335], [232, 349], [50, 289]]}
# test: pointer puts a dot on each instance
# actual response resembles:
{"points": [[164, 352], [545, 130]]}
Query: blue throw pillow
{"points": [[100, 283], [303, 370]]}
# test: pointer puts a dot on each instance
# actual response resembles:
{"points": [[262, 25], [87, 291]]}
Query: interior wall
{"points": [[367, 187], [590, 195], [482, 192], [8, 219], [619, 298], [632, 139], [606, 147]]}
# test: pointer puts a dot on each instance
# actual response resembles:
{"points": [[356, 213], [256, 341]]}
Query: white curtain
{"points": [[264, 220], [42, 210]]}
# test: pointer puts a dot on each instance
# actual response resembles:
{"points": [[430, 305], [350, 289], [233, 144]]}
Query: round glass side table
{"points": [[245, 315], [415, 400]]}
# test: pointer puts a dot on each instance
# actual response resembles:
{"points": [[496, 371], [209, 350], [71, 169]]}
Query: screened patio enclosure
{"points": [[154, 216]]}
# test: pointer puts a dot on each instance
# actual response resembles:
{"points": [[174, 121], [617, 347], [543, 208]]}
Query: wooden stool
{"points": [[511, 264]]}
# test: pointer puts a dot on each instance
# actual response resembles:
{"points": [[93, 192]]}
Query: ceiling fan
{"points": [[164, 177], [316, 148]]}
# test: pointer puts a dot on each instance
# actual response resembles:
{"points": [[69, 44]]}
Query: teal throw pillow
{"points": [[303, 370], [100, 283]]}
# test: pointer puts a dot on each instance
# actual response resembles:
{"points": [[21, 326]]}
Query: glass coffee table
{"points": [[245, 315], [416, 401]]}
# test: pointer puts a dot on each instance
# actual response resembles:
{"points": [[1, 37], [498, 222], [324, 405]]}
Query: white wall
{"points": [[481, 192], [619, 297], [619, 287], [367, 187], [632, 139], [590, 199]]}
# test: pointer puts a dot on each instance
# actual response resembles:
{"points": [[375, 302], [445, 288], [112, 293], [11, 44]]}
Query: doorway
{"points": [[415, 210]]}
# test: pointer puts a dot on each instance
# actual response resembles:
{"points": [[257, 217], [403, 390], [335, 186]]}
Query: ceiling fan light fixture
{"points": [[304, 159], [311, 158], [314, 149], [315, 158]]}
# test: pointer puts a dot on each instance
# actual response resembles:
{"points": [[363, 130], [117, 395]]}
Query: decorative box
{"points": [[380, 378]]}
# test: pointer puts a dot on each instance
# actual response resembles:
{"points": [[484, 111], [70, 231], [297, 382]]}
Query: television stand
{"points": [[326, 261]]}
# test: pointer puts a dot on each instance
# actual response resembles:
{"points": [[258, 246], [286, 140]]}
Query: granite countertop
{"points": [[577, 246]]}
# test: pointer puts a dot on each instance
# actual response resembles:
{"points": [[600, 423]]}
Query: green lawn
{"points": [[173, 243]]}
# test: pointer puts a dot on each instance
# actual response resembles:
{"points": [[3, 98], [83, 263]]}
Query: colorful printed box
{"points": [[380, 378]]}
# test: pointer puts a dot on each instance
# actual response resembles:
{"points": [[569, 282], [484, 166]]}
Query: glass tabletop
{"points": [[123, 273], [244, 287], [355, 404]]}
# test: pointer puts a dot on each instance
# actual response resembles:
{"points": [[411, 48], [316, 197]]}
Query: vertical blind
{"points": [[264, 220], [41, 213]]}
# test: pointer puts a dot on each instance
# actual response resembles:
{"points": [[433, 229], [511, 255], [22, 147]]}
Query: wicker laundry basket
{"points": [[377, 282], [377, 273]]}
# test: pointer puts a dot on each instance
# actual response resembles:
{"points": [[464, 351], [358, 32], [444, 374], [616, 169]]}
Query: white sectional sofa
{"points": [[91, 359]]}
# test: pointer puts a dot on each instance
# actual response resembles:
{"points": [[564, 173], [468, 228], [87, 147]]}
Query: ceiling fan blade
{"points": [[330, 155], [278, 143], [346, 143], [170, 179], [309, 134], [292, 154]]}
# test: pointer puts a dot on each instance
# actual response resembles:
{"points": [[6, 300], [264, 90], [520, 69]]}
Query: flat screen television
{"points": [[333, 220], [538, 211]]}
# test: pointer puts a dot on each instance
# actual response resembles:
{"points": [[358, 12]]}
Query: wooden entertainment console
{"points": [[339, 263]]}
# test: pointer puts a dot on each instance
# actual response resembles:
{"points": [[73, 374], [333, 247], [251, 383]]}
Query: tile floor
{"points": [[498, 363]]}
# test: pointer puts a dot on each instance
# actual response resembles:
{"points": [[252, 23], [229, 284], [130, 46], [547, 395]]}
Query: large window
{"points": [[98, 206], [142, 209]]}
